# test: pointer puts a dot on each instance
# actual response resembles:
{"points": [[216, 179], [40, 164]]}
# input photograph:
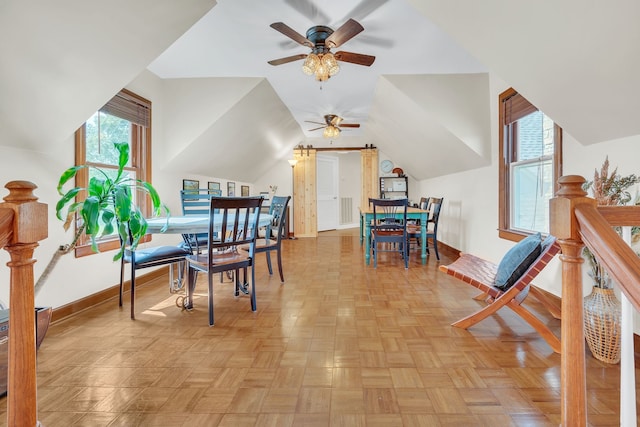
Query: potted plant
{"points": [[109, 206], [601, 307]]}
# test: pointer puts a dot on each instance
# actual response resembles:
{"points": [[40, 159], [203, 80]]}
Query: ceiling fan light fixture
{"points": [[330, 63], [322, 74], [331, 132], [310, 64]]}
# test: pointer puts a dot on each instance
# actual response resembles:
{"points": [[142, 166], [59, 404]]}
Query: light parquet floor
{"points": [[339, 344]]}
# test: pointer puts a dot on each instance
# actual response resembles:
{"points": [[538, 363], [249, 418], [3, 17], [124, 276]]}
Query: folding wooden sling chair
{"points": [[481, 274]]}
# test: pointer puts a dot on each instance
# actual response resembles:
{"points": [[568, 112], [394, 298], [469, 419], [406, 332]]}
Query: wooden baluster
{"points": [[29, 227], [564, 226]]}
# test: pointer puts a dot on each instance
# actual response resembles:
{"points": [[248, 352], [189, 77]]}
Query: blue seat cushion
{"points": [[517, 260], [158, 253]]}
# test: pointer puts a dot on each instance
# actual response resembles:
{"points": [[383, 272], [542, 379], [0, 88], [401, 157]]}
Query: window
{"points": [[126, 117], [530, 165]]}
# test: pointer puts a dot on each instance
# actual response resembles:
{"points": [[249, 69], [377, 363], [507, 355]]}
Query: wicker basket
{"points": [[602, 324]]}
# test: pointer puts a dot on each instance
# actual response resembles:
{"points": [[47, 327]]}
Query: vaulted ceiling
{"points": [[424, 101]]}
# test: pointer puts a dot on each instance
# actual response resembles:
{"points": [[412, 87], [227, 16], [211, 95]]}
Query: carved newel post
{"points": [[29, 227], [564, 226]]}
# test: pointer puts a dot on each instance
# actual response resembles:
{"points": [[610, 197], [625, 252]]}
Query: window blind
{"points": [[129, 107], [516, 107]]}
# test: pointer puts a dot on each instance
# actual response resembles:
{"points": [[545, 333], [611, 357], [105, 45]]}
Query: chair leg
{"points": [[236, 283], [268, 254], [375, 254], [133, 288], [121, 281], [280, 265], [538, 325], [435, 247], [253, 289], [405, 254], [210, 298]]}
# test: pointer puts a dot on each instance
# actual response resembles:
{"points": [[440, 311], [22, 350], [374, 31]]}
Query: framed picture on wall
{"points": [[231, 189], [214, 188], [244, 190], [265, 195], [190, 185]]}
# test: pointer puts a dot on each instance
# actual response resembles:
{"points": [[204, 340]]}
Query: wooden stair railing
{"points": [[23, 223], [574, 220]]}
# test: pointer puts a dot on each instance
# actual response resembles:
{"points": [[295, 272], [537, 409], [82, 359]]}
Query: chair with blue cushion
{"points": [[509, 283], [149, 257]]}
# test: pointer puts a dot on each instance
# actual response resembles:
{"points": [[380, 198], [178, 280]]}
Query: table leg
{"points": [[423, 240], [367, 241], [191, 285]]}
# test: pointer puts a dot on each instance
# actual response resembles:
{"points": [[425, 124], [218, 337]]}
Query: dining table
{"points": [[195, 224], [366, 218]]}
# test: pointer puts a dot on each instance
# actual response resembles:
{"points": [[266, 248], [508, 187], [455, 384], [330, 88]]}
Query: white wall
{"points": [[75, 278], [469, 217]]}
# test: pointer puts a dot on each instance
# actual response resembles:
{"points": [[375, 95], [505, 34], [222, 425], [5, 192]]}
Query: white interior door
{"points": [[327, 194]]}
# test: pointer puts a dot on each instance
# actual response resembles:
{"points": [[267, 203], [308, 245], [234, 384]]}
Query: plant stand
{"points": [[602, 328]]}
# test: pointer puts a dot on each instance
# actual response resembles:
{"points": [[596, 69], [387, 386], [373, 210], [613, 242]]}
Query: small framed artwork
{"points": [[264, 195], [231, 189], [190, 185], [214, 188], [244, 191]]}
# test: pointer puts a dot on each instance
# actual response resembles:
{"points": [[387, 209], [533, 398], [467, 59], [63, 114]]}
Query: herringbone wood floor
{"points": [[339, 344]]}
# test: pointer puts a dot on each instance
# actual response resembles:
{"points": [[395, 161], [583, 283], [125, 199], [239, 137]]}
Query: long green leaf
{"points": [[108, 220], [98, 186], [90, 215], [66, 198], [137, 227], [67, 175], [122, 201], [123, 231], [123, 149]]}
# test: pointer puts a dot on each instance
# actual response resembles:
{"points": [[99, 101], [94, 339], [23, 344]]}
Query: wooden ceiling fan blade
{"points": [[349, 125], [287, 59], [364, 8], [355, 58], [317, 123], [309, 10], [332, 119], [346, 32], [321, 127], [291, 33], [373, 40]]}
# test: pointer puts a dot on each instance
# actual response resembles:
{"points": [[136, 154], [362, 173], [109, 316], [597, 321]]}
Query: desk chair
{"points": [[389, 226], [223, 253], [149, 257]]}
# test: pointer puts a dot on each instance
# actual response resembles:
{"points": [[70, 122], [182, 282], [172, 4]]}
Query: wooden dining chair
{"points": [[434, 206], [239, 218], [195, 202], [274, 232], [389, 228]]}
